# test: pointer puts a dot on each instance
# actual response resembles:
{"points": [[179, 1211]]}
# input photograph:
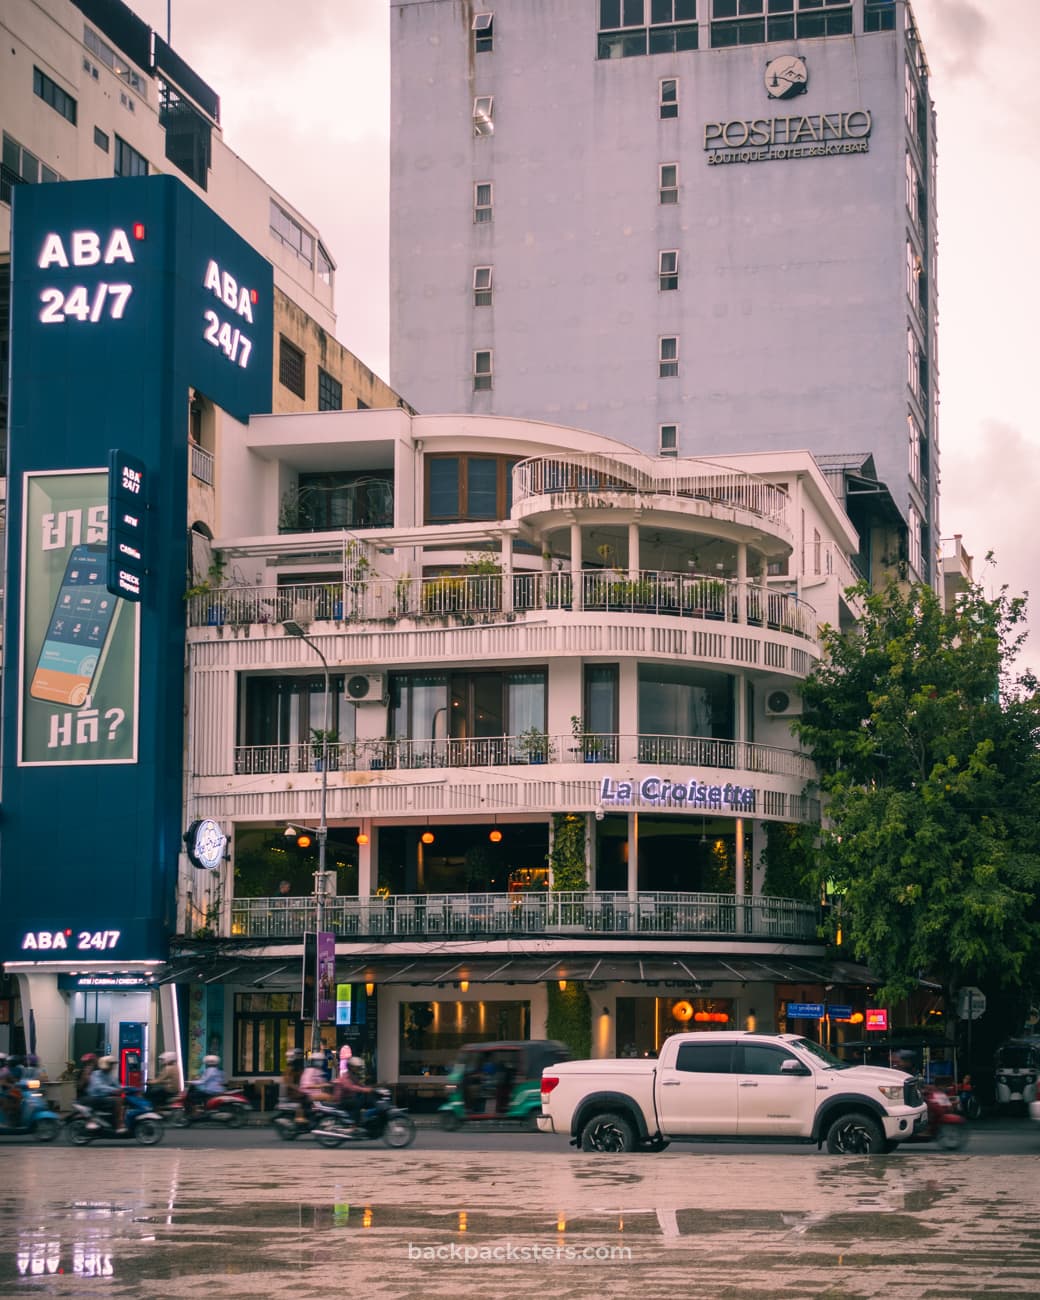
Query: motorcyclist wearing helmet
{"points": [[167, 1083], [87, 1066], [289, 1084], [10, 1093], [210, 1083], [350, 1091], [313, 1081], [105, 1093]]}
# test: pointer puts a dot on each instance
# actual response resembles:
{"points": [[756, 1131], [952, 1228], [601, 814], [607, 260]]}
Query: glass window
{"points": [[468, 487], [482, 202], [761, 1058], [288, 231], [668, 357], [482, 370], [668, 183], [482, 488], [483, 114], [419, 706], [705, 1058], [443, 497], [675, 700], [51, 93], [668, 270], [330, 392], [483, 286], [483, 33], [128, 162], [431, 1033], [325, 267], [101, 139], [601, 699], [668, 439], [291, 369], [668, 98]]}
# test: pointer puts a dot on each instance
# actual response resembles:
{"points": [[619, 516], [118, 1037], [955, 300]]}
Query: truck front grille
{"points": [[911, 1093]]}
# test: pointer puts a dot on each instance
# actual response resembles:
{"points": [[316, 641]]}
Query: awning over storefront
{"points": [[280, 974]]}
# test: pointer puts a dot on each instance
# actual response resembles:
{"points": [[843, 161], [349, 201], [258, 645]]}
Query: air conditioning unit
{"points": [[783, 704], [367, 688]]}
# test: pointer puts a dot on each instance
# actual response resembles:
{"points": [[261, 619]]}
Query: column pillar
{"points": [[633, 856], [633, 551], [739, 873], [507, 573], [742, 583], [577, 601], [368, 859]]}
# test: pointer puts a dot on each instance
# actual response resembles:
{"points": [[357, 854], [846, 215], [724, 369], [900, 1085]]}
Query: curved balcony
{"points": [[473, 598], [592, 479], [592, 912], [703, 752]]}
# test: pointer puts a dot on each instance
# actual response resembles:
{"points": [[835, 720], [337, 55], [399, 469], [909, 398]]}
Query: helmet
{"points": [[167, 1058], [293, 1054], [88, 1058], [356, 1065], [106, 1062], [32, 1059], [211, 1060], [317, 1058]]}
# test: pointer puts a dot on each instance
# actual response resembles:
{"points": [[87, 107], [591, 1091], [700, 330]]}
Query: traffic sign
{"points": [[971, 1003]]}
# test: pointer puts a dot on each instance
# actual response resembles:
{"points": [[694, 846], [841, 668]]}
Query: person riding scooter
{"points": [[210, 1083], [166, 1084], [350, 1091], [10, 1093], [105, 1093]]}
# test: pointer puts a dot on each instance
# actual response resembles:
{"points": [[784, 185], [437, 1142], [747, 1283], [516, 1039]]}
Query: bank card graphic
{"points": [[73, 653], [80, 643]]}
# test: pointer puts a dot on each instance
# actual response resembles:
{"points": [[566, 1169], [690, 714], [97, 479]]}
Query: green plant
{"points": [[588, 744], [536, 746], [322, 740], [213, 580], [482, 564], [569, 1018], [566, 857]]}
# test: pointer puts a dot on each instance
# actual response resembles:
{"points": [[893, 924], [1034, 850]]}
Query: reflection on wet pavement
{"points": [[404, 1224]]}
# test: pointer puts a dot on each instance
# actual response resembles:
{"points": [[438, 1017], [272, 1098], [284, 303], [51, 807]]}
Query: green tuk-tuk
{"points": [[499, 1082]]}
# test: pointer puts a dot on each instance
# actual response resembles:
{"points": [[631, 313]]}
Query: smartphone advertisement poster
{"points": [[326, 977], [78, 698]]}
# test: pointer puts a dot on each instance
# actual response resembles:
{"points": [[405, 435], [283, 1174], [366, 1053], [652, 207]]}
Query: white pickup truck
{"points": [[731, 1087]]}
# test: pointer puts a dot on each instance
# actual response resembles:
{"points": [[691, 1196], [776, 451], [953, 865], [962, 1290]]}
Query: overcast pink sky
{"points": [[306, 103]]}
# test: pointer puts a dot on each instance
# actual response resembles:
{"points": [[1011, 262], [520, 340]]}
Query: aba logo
{"points": [[786, 77]]}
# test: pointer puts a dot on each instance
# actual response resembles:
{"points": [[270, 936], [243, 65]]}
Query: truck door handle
{"points": [[670, 1083], [747, 1083]]}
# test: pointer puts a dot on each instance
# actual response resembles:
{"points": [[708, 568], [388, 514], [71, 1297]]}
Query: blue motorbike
{"points": [[143, 1124], [35, 1117]]}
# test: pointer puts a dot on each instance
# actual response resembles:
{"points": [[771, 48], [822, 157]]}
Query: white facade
{"points": [[803, 307], [622, 643]]}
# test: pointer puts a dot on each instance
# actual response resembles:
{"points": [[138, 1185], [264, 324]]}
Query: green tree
{"points": [[926, 736]]}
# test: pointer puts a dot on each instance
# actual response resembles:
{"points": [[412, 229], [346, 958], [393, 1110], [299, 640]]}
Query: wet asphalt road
{"points": [[242, 1215]]}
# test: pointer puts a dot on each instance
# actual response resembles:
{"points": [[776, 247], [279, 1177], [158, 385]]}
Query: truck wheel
{"points": [[855, 1134], [609, 1132]]}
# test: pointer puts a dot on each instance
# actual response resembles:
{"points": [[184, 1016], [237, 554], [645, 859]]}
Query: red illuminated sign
{"points": [[877, 1019]]}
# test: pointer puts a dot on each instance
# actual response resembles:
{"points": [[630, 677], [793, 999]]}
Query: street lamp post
{"points": [[293, 628]]}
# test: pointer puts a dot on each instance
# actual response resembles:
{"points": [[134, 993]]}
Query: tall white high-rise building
{"points": [[698, 226]]}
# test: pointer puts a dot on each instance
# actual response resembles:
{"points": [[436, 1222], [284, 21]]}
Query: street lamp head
{"points": [[292, 628]]}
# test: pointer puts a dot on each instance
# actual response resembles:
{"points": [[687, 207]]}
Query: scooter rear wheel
{"points": [[148, 1132], [325, 1135], [953, 1137], [46, 1130], [236, 1117], [286, 1129], [78, 1133], [179, 1118], [450, 1121], [399, 1131]]}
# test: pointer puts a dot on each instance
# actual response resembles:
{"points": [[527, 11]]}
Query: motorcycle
{"points": [[332, 1126], [229, 1107], [35, 1117], [143, 1124], [942, 1125]]}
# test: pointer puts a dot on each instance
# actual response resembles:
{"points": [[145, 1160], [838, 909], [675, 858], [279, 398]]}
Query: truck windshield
{"points": [[821, 1054]]}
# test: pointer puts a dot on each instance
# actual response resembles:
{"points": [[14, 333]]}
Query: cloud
{"points": [[956, 34]]}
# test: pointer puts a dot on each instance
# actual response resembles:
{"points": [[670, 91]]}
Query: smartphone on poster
{"points": [[79, 632]]}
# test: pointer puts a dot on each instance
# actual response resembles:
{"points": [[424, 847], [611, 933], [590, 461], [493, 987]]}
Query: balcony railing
{"points": [[201, 464], [594, 474], [531, 748], [408, 916], [469, 598]]}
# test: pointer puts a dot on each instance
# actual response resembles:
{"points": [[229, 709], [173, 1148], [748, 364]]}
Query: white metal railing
{"points": [[474, 597], [580, 912], [201, 464], [533, 747], [592, 474]]}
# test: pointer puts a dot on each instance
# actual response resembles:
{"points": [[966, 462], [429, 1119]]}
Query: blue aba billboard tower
{"points": [[124, 293]]}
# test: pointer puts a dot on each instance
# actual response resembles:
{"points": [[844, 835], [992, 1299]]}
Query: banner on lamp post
{"points": [[326, 973]]}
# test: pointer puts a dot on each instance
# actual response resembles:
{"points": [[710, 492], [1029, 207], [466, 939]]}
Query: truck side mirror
{"points": [[791, 1066]]}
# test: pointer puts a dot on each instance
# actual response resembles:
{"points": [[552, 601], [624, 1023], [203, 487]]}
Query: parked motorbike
{"points": [[35, 1117], [231, 1108], [143, 1124], [943, 1125], [332, 1126]]}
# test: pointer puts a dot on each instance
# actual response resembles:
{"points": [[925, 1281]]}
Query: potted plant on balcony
{"points": [[324, 744], [587, 744], [535, 746], [211, 586]]}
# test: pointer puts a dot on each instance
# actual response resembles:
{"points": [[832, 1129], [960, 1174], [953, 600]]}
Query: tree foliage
{"points": [[926, 738]]}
